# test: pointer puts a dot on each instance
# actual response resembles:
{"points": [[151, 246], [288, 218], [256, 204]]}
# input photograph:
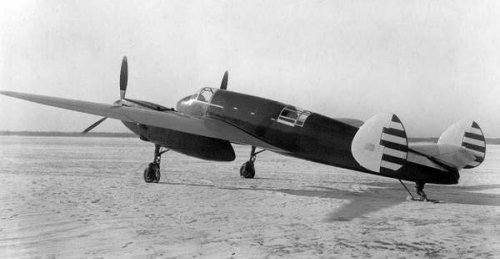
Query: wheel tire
{"points": [[247, 170], [147, 175], [152, 173], [156, 173]]}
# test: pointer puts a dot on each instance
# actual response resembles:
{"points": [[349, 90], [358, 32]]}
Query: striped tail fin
{"points": [[381, 144], [468, 135]]}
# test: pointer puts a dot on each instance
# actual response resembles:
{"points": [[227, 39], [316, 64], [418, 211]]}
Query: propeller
{"points": [[123, 78], [94, 125], [123, 90], [223, 85]]}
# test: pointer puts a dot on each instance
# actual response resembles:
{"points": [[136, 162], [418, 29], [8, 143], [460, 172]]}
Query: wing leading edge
{"points": [[166, 119]]}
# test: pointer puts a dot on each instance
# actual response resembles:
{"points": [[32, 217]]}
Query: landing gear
{"points": [[152, 172], [247, 169], [419, 188]]}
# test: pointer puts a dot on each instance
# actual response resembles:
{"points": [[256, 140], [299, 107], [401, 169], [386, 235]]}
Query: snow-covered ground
{"points": [[85, 197]]}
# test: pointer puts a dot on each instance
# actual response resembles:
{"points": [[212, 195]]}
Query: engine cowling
{"points": [[188, 144]]}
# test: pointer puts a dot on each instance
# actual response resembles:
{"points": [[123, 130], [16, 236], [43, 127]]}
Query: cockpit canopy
{"points": [[194, 103], [205, 94]]}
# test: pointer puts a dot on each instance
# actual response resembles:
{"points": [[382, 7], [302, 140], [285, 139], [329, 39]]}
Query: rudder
{"points": [[381, 144], [469, 135]]}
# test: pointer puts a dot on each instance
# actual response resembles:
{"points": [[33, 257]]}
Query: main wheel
{"points": [[247, 170], [152, 173]]}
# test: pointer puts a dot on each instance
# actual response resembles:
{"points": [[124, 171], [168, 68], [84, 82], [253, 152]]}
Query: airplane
{"points": [[206, 123]]}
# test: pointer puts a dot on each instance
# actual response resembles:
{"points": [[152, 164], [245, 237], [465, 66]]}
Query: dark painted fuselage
{"points": [[294, 131], [319, 138]]}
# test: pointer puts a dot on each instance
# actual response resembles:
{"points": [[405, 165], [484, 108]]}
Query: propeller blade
{"points": [[123, 78], [223, 85], [94, 125]]}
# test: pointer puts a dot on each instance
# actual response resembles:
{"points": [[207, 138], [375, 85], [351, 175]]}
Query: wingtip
{"points": [[8, 93]]}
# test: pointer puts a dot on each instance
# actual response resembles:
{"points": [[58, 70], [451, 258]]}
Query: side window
{"points": [[288, 114], [302, 118], [292, 116]]}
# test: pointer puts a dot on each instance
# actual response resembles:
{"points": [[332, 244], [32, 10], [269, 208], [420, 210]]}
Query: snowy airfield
{"points": [[85, 197]]}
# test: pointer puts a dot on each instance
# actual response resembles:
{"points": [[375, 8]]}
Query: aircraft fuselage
{"points": [[300, 133], [294, 131]]}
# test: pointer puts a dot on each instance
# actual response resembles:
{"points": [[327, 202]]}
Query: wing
{"points": [[165, 119]]}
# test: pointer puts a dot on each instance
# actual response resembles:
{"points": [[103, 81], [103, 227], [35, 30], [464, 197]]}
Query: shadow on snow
{"points": [[378, 196]]}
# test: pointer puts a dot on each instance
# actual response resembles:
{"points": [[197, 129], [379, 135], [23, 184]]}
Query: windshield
{"points": [[206, 94]]}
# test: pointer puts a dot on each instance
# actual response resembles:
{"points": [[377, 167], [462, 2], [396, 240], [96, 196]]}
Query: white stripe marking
{"points": [[397, 125], [476, 131], [389, 165], [421, 160], [475, 153], [395, 153], [210, 104], [474, 141], [394, 139], [286, 122], [474, 164]]}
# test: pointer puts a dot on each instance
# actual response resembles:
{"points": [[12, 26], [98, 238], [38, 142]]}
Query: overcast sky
{"points": [[430, 62]]}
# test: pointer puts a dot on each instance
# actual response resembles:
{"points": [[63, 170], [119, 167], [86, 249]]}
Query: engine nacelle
{"points": [[188, 144]]}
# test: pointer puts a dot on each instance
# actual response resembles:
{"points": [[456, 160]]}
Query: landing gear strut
{"points": [[419, 188], [247, 169], [152, 172]]}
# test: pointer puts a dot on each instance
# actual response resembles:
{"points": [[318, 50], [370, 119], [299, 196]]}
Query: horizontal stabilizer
{"points": [[466, 134], [381, 145], [450, 155]]}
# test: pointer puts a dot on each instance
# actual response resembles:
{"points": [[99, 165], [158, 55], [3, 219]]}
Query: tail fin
{"points": [[381, 145], [469, 135]]}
